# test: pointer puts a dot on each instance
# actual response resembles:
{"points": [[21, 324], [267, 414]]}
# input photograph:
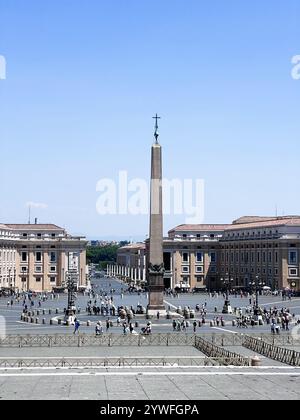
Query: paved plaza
{"points": [[15, 326], [152, 384], [272, 380]]}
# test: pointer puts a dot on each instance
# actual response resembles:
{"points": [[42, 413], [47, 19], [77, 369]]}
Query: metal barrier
{"points": [[225, 356], [102, 362], [71, 340], [287, 356], [156, 339]]}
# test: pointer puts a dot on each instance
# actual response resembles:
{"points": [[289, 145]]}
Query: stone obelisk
{"points": [[155, 260]]}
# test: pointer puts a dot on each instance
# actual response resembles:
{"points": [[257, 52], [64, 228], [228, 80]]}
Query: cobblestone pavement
{"points": [[271, 380], [15, 326], [152, 384]]}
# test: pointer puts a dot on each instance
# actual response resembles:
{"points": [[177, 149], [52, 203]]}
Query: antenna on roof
{"points": [[29, 214]]}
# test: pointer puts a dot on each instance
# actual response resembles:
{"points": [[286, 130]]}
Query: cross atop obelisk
{"points": [[156, 134]]}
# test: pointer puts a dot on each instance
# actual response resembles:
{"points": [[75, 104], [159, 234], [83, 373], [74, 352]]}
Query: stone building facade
{"points": [[131, 263], [37, 257], [261, 249]]}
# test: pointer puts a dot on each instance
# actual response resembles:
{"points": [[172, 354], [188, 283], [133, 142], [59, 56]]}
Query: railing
{"points": [[103, 362], [157, 339], [287, 356], [225, 356], [71, 340]]}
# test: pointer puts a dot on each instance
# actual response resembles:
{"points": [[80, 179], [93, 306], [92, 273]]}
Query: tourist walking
{"points": [[76, 326]]}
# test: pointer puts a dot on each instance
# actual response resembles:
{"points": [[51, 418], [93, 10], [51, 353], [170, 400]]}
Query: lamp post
{"points": [[227, 282], [72, 278], [9, 281], [256, 285]]}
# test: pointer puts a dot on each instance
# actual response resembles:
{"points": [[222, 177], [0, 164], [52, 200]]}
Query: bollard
{"points": [[51, 322], [57, 311], [22, 317], [37, 312], [59, 321], [36, 320], [136, 324], [234, 323], [33, 313], [50, 311], [44, 312], [44, 320], [255, 361], [32, 320], [223, 323]]}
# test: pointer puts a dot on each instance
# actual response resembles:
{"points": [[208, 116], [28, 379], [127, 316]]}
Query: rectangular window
{"points": [[185, 269], [213, 257], [185, 257], [276, 257], [38, 279], [293, 257], [38, 269], [199, 279], [23, 279], [270, 257], [38, 256], [199, 257], [52, 279], [199, 269], [52, 257], [293, 272], [53, 269], [24, 256]]}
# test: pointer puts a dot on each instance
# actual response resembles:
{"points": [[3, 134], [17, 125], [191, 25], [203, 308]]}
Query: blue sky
{"points": [[85, 78]]}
